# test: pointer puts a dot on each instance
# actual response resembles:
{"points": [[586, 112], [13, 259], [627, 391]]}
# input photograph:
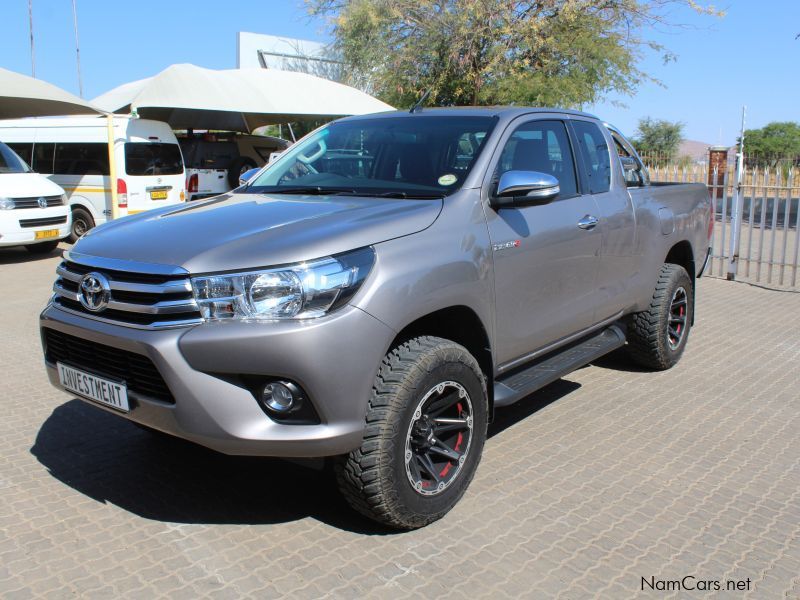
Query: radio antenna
{"points": [[420, 102]]}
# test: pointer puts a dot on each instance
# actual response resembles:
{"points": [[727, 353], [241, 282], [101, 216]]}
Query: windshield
{"points": [[153, 159], [392, 156], [10, 162]]}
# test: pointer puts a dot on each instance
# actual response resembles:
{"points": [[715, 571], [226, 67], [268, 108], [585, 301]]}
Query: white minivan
{"points": [[73, 152], [33, 210]]}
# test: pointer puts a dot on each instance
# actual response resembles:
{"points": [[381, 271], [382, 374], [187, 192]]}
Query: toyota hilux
{"points": [[379, 291]]}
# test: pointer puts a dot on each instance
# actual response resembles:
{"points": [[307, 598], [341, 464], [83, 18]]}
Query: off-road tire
{"points": [[373, 477], [42, 247], [648, 342], [82, 222]]}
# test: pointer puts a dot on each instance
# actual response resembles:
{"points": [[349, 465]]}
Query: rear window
{"points": [[153, 159], [202, 154]]}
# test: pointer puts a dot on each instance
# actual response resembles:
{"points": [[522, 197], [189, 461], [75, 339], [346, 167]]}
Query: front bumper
{"points": [[18, 236], [334, 359]]}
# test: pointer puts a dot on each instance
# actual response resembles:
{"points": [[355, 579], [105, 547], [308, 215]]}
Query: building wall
{"points": [[254, 50]]}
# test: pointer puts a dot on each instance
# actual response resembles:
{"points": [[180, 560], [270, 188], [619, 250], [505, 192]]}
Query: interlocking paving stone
{"points": [[607, 476]]}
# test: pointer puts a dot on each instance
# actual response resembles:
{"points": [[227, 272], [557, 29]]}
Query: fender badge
{"points": [[505, 245]]}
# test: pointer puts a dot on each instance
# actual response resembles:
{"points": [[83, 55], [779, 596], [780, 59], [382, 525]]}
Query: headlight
{"points": [[300, 291], [6, 204]]}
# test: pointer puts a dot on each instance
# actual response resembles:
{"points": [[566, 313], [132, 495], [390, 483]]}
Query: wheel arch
{"points": [[682, 254], [459, 324], [85, 204]]}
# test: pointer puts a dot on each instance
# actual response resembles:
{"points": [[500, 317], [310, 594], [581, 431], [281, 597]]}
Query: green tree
{"points": [[770, 144], [544, 52], [658, 139]]}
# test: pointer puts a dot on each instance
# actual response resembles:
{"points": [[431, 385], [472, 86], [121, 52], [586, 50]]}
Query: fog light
{"points": [[280, 396]]}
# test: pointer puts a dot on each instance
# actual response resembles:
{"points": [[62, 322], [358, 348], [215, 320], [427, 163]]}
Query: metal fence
{"points": [[771, 161], [758, 227]]}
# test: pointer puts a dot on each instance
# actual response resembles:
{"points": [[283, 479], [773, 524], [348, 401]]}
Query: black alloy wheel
{"points": [[676, 325], [439, 438]]}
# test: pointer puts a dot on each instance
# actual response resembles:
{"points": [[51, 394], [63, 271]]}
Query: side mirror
{"points": [[247, 175], [520, 188], [629, 163]]}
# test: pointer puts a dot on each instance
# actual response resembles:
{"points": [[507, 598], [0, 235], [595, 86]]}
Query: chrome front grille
{"points": [[135, 299], [34, 202]]}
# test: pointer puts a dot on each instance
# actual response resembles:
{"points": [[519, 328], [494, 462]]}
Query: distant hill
{"points": [[694, 149]]}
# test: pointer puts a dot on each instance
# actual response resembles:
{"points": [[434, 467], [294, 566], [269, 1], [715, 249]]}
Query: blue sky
{"points": [[748, 57]]}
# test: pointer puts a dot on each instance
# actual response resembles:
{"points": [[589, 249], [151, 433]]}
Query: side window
{"points": [[23, 149], [633, 177], [81, 159], [541, 146], [594, 150], [42, 161]]}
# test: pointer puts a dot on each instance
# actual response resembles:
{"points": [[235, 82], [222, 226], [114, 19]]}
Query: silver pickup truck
{"points": [[379, 291]]}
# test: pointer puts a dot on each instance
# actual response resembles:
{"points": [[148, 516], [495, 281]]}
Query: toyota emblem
{"points": [[94, 292]]}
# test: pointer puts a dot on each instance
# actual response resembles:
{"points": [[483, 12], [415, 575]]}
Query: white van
{"points": [[73, 152], [33, 210]]}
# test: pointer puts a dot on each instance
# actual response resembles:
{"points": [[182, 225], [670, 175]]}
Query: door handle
{"points": [[588, 222]]}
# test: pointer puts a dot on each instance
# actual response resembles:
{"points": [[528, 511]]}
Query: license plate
{"points": [[46, 234], [158, 195], [104, 391]]}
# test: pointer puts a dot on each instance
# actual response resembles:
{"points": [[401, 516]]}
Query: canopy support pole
{"points": [[112, 166]]}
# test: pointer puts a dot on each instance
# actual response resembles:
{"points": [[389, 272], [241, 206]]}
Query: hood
{"points": [[247, 231], [26, 185]]}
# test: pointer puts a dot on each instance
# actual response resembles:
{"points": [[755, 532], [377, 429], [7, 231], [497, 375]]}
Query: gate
{"points": [[758, 227]]}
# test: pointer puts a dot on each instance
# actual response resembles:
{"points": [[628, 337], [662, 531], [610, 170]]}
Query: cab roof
{"points": [[505, 112]]}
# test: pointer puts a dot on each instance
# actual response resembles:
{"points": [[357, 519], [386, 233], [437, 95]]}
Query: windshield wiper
{"points": [[405, 195], [312, 191]]}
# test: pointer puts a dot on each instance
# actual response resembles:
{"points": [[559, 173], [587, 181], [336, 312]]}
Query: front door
{"points": [[545, 256]]}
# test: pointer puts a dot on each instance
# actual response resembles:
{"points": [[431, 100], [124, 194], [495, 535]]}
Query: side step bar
{"points": [[529, 378]]}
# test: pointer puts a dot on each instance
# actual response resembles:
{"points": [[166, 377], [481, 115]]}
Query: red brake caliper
{"points": [[460, 439]]}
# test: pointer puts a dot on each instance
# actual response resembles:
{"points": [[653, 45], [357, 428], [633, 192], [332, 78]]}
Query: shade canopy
{"points": [[187, 96], [23, 96]]}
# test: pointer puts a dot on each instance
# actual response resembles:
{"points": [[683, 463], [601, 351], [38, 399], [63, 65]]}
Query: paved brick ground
{"points": [[607, 476]]}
